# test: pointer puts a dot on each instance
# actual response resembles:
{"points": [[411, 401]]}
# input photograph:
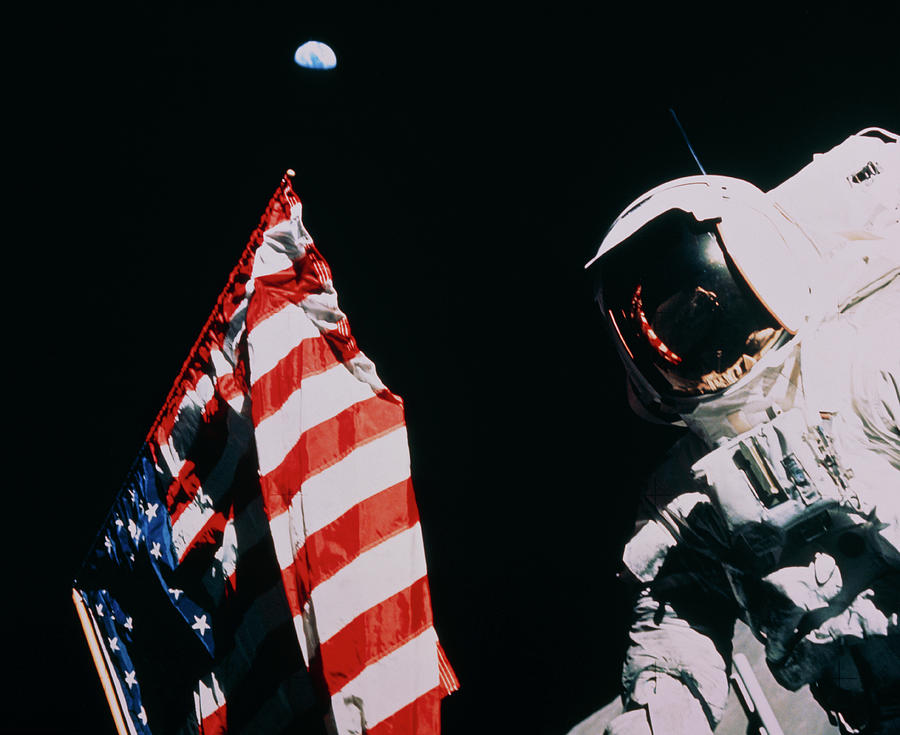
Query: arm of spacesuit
{"points": [[675, 672], [674, 675]]}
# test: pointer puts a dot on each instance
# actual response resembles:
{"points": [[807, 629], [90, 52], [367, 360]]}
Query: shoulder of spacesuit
{"points": [[851, 192], [690, 521], [868, 156]]}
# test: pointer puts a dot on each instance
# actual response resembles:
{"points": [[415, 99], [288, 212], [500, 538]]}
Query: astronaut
{"points": [[769, 325]]}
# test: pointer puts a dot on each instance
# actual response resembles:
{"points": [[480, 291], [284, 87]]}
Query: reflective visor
{"points": [[686, 319]]}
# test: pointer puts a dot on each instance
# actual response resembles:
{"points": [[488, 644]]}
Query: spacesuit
{"points": [[769, 325]]}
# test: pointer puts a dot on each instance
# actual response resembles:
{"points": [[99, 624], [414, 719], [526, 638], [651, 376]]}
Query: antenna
{"points": [[687, 142]]}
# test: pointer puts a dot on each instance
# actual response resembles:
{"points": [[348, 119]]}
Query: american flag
{"points": [[262, 568]]}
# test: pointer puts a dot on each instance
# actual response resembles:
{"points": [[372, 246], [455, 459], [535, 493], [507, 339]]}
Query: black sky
{"points": [[457, 170]]}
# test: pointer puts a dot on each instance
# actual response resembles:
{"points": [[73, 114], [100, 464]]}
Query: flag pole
{"points": [[100, 664]]}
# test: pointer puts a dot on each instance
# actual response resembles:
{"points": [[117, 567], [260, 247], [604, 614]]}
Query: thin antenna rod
{"points": [[690, 147]]}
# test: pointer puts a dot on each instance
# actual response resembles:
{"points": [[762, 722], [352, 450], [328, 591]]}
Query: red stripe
{"points": [[342, 342], [311, 357], [231, 385], [313, 276], [242, 490], [228, 385], [272, 292], [227, 304], [209, 535], [208, 440], [325, 445], [392, 622], [375, 633], [292, 591], [363, 527], [290, 285], [182, 490], [421, 717], [647, 330], [200, 365], [215, 723], [203, 454]]}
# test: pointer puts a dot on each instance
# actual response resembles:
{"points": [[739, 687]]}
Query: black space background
{"points": [[457, 170]]}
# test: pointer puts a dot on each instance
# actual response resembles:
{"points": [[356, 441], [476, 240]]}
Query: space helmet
{"points": [[697, 279]]}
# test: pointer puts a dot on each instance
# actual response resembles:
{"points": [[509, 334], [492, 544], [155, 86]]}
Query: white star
{"points": [[134, 529], [108, 544], [156, 552], [130, 679], [200, 624], [99, 608], [142, 715], [133, 496], [129, 625], [151, 510], [113, 644], [119, 522], [175, 593]]}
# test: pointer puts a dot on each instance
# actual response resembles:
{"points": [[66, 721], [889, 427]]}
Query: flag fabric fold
{"points": [[262, 568]]}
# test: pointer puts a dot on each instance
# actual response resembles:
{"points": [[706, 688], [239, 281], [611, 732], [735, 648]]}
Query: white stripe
{"points": [[448, 678], [196, 399], [271, 257], [201, 508], [208, 698], [203, 392], [326, 496], [366, 471], [320, 398], [191, 522], [222, 366], [388, 685], [218, 572], [275, 336], [236, 326], [250, 527], [305, 627], [287, 535], [227, 555], [282, 245], [170, 458], [322, 309], [372, 577]]}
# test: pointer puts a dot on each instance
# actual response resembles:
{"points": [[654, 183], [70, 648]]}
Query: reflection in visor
{"points": [[688, 322], [637, 310]]}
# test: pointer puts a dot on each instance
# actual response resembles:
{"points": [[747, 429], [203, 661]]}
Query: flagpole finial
{"points": [[290, 172]]}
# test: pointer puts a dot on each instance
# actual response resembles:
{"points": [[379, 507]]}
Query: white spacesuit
{"points": [[769, 325]]}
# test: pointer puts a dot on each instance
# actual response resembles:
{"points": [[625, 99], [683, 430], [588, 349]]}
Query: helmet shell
{"points": [[771, 252], [763, 258]]}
